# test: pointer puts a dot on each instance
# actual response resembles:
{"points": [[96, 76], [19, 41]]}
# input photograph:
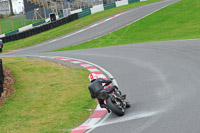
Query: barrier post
{"points": [[1, 77], [0, 28]]}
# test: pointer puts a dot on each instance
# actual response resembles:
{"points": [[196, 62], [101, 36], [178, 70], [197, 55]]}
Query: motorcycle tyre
{"points": [[113, 108]]}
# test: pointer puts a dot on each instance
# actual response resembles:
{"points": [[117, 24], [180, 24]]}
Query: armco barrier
{"points": [[76, 11], [109, 6], [133, 1], [97, 8], [85, 12], [11, 33], [121, 3], [61, 15], [26, 28], [39, 23], [86, 8]]}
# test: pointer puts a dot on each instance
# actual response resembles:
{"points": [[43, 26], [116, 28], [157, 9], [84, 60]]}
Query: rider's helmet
{"points": [[92, 77]]}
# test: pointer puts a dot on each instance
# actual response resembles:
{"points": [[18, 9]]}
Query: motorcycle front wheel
{"points": [[114, 106]]}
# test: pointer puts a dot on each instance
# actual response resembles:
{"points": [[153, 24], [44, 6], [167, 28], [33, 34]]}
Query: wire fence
{"points": [[11, 23]]}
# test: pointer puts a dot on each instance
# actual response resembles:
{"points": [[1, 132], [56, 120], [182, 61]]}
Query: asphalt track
{"points": [[160, 78]]}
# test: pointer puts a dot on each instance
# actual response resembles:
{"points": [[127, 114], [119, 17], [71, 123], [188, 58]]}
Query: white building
{"points": [[4, 7], [18, 6]]}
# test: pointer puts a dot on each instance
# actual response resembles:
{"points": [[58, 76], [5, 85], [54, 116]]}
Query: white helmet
{"points": [[92, 77]]}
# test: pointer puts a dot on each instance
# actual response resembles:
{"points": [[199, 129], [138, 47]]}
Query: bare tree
{"points": [[11, 7]]}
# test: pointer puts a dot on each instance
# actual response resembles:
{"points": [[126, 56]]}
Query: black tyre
{"points": [[112, 106]]}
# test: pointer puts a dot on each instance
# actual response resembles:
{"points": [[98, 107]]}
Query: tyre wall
{"points": [[1, 77], [25, 32], [39, 29]]}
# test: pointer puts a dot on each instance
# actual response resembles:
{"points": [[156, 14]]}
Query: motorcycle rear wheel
{"points": [[112, 106]]}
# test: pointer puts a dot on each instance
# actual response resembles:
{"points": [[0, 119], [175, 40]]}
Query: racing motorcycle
{"points": [[115, 101]]}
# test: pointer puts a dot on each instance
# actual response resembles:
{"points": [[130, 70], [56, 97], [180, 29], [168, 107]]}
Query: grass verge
{"points": [[70, 27], [177, 21], [13, 23], [49, 97]]}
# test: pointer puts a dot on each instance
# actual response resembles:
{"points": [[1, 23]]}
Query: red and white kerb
{"points": [[99, 112]]}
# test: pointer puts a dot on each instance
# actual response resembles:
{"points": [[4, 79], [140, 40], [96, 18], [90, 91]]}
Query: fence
{"points": [[32, 30], [12, 23], [42, 28]]}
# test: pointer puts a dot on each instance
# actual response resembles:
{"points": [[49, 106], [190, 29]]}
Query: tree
{"points": [[11, 7]]}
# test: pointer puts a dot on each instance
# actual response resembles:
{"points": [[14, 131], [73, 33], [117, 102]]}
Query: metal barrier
{"points": [[85, 12], [133, 1], [16, 35], [109, 6]]}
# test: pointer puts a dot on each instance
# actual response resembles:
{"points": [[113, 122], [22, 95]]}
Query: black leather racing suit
{"points": [[96, 86]]}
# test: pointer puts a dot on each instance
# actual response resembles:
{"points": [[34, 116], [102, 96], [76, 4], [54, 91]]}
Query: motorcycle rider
{"points": [[97, 85]]}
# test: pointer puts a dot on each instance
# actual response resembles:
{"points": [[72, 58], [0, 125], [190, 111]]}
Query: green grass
{"points": [[70, 27], [178, 21], [49, 97], [6, 24]]}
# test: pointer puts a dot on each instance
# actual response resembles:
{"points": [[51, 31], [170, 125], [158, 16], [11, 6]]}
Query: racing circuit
{"points": [[160, 78]]}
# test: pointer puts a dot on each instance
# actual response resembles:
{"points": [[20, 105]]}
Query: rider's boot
{"points": [[127, 102], [105, 106], [124, 96], [128, 105]]}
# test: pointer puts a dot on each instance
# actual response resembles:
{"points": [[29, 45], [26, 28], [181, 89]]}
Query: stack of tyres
{"points": [[28, 33], [68, 19], [54, 24], [42, 28], [1, 47], [1, 77], [45, 27], [4, 39], [62, 21], [49, 26], [22, 35], [37, 30], [58, 23], [32, 31], [16, 35], [11, 38], [74, 16]]}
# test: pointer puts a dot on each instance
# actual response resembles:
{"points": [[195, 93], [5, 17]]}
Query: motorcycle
{"points": [[115, 101]]}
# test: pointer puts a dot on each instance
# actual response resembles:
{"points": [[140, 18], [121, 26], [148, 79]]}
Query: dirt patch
{"points": [[8, 83]]}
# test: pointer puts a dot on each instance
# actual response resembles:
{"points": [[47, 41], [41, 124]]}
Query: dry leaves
{"points": [[8, 83]]}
